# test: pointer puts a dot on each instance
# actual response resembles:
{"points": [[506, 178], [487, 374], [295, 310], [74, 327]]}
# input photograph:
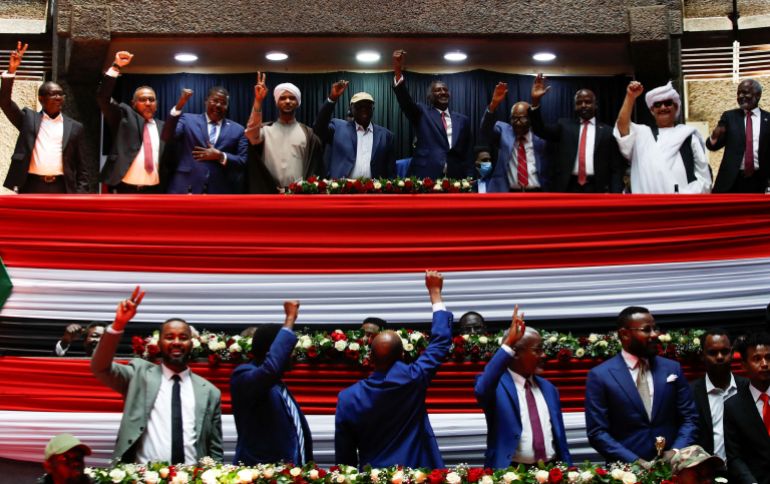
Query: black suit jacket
{"points": [[705, 424], [127, 128], [734, 142], [78, 169], [609, 166], [746, 440]]}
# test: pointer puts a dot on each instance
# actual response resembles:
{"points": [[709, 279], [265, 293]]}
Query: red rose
{"points": [[428, 183], [474, 474], [153, 350], [137, 345], [564, 354], [555, 475], [214, 360], [351, 355], [388, 187], [601, 472], [369, 186], [436, 477], [312, 179], [334, 468], [321, 186], [321, 473], [408, 184], [229, 342], [296, 188], [312, 352], [445, 184]]}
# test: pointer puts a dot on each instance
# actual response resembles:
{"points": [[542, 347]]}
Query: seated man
{"points": [[170, 413], [65, 461], [524, 419], [693, 465], [471, 323], [382, 420], [270, 424], [371, 326], [93, 332], [667, 158]]}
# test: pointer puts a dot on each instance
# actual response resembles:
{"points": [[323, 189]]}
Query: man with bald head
{"points": [[522, 409], [382, 420], [521, 164], [587, 159]]}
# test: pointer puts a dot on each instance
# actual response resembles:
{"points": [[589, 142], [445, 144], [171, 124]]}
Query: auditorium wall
{"points": [[25, 95]]}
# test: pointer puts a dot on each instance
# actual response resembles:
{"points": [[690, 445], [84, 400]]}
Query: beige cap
{"points": [[63, 443], [361, 96]]}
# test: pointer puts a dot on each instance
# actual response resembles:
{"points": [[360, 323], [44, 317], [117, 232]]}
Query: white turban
{"points": [[663, 93], [287, 86]]}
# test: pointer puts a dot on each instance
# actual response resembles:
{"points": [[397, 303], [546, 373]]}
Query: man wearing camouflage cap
{"points": [[693, 465], [64, 461]]}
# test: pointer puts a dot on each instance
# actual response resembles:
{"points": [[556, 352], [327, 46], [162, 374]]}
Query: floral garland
{"points": [[353, 346], [209, 472], [315, 185]]}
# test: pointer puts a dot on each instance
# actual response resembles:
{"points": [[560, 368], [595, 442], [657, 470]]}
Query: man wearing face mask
{"points": [[744, 133], [521, 159]]}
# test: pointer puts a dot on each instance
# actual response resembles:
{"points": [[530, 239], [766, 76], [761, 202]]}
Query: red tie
{"points": [[765, 411], [521, 166], [443, 119], [748, 157], [582, 178], [149, 165], [538, 439]]}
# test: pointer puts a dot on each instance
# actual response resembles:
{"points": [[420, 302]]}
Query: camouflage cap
{"points": [[692, 456]]}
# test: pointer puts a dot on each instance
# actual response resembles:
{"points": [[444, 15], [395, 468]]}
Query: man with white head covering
{"points": [[668, 157], [284, 151]]}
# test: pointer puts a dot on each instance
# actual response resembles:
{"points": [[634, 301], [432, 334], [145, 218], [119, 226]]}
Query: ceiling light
{"points": [[544, 57], [455, 56], [368, 56], [276, 56], [186, 57]]}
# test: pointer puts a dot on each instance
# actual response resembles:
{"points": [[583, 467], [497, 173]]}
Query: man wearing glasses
{"points": [[636, 396]]}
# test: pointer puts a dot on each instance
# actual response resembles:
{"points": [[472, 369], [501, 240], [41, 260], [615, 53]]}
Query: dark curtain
{"points": [[471, 92]]}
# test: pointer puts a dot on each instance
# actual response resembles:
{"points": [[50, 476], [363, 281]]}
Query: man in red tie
{"points": [[747, 415], [744, 133], [134, 163], [587, 159]]}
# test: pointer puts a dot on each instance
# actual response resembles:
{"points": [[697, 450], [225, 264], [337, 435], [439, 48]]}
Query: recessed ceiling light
{"points": [[186, 57], [455, 56], [544, 57], [276, 56], [368, 56]]}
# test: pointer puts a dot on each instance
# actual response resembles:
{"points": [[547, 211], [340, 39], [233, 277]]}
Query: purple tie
{"points": [[538, 441], [748, 157]]}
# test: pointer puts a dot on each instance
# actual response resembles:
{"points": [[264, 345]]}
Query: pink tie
{"points": [[149, 165], [582, 178], [538, 439], [443, 119], [521, 168], [748, 157]]}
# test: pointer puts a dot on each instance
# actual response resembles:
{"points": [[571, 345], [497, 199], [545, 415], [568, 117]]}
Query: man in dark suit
{"points": [[49, 156], [523, 413], [357, 148], [212, 150], [271, 426], [637, 396], [711, 391], [587, 159], [745, 166], [526, 171], [444, 139], [382, 420], [135, 164], [747, 415]]}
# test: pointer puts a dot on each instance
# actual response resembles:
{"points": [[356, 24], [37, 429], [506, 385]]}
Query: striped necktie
{"points": [[294, 412]]}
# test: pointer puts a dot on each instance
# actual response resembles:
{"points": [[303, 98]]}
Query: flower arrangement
{"points": [[209, 472], [411, 185], [353, 346]]}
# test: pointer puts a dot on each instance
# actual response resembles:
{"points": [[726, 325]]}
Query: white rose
{"points": [[617, 474], [592, 338], [340, 345], [181, 477], [419, 477], [377, 185], [213, 345], [401, 183], [354, 346], [437, 188], [375, 475], [466, 184], [586, 476], [404, 341], [573, 476], [408, 347], [453, 477], [398, 477], [416, 336], [510, 476], [695, 341], [580, 352], [151, 477], [307, 342], [313, 474], [295, 471], [235, 348], [629, 478], [664, 338], [324, 341], [456, 184], [210, 476], [541, 476], [268, 473], [335, 185], [602, 343], [485, 479], [500, 341], [720, 480], [483, 340], [466, 337], [196, 343], [553, 339], [245, 475], [340, 479], [117, 475], [163, 473]]}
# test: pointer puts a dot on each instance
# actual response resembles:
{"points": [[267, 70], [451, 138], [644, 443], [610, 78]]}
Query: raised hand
{"points": [[634, 89], [291, 309], [260, 89], [539, 89], [337, 89], [127, 309], [434, 281], [123, 58], [15, 61], [498, 96], [183, 98], [71, 333], [398, 62], [516, 331]]}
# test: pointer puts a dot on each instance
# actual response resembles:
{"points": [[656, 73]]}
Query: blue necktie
{"points": [[294, 412], [212, 133]]}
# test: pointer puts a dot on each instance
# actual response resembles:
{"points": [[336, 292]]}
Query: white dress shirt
{"points": [[590, 142], [525, 452], [633, 368], [513, 166], [756, 119], [717, 398], [364, 145], [47, 158]]}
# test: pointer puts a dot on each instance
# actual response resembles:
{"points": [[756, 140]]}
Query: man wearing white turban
{"points": [[667, 158], [281, 152]]}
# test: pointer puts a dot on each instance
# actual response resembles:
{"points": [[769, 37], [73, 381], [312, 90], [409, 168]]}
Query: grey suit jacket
{"points": [[139, 382]]}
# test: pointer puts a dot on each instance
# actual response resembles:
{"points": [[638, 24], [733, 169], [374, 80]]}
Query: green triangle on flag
{"points": [[5, 284]]}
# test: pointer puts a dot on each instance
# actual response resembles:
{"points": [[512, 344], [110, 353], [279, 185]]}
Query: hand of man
{"points": [[260, 89], [15, 61], [718, 132], [127, 309], [398, 62], [668, 455], [434, 281], [498, 96], [516, 331], [538, 89], [644, 464], [337, 89], [183, 98], [71, 333], [209, 153], [123, 58], [634, 89], [291, 309]]}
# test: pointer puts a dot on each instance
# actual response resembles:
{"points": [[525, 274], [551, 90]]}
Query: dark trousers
{"points": [[43, 184], [749, 184], [588, 187]]}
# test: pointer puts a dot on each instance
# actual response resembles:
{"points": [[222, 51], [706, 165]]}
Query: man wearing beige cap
{"points": [[64, 461], [357, 148]]}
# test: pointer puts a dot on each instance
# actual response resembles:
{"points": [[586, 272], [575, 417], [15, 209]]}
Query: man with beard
{"points": [[284, 151], [65, 461], [745, 135], [521, 159], [170, 414], [49, 156], [637, 396], [444, 138], [358, 148], [271, 426], [586, 156], [93, 332], [212, 150]]}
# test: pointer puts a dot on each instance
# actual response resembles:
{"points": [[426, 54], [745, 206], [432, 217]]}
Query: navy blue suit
{"points": [[617, 424], [432, 151], [192, 176], [342, 140], [382, 420], [265, 427], [496, 393]]}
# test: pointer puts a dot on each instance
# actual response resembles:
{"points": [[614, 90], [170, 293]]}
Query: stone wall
{"points": [[25, 94], [23, 9]]}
